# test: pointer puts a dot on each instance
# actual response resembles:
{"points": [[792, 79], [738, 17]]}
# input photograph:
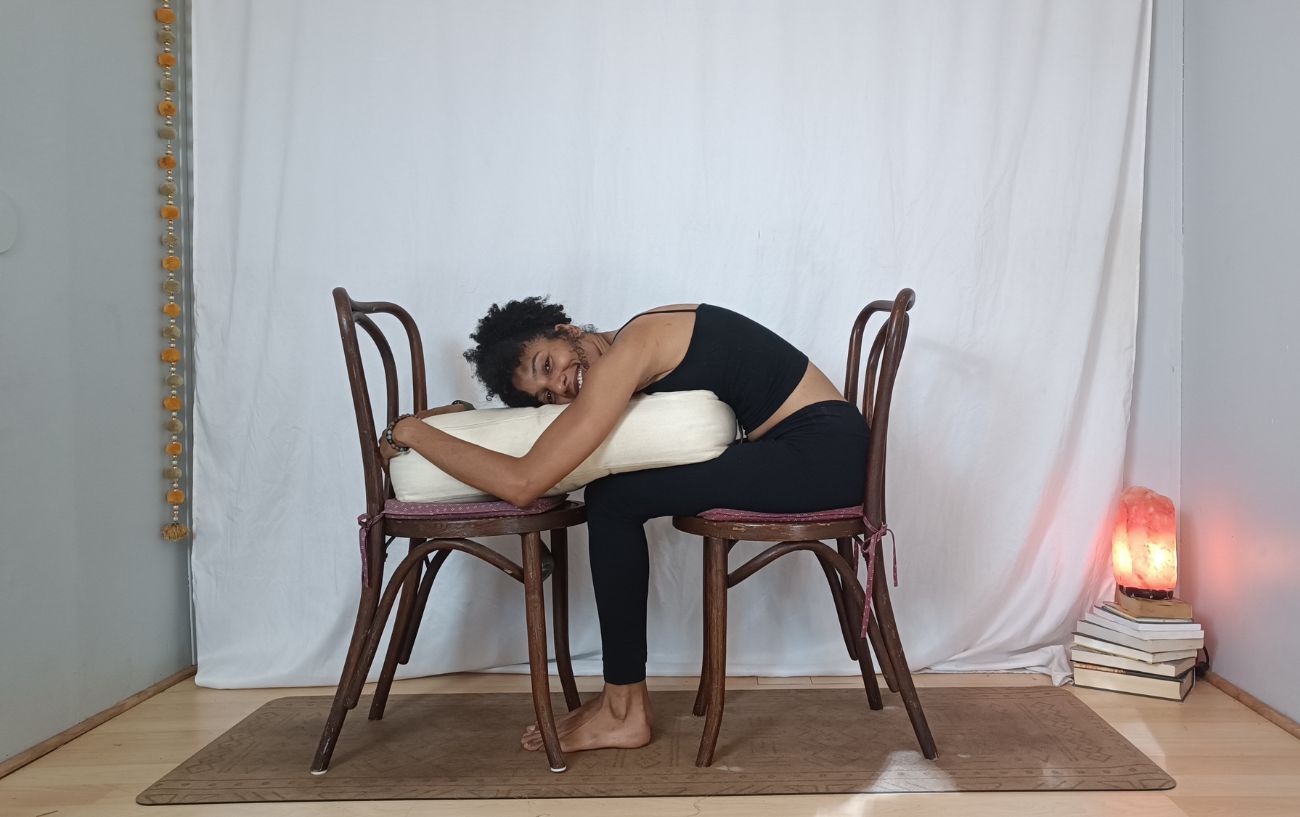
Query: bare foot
{"points": [[619, 717], [567, 721]]}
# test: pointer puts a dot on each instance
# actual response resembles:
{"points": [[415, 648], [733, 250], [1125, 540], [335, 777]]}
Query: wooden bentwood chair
{"points": [[722, 528], [435, 530]]}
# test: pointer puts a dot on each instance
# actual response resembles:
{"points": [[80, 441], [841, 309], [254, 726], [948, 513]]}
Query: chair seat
{"points": [[755, 517], [396, 509]]}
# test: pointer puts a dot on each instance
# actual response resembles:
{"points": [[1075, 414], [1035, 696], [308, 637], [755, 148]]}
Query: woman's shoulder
{"points": [[671, 308]]}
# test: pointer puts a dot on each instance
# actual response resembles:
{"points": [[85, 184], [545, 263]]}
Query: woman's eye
{"points": [[547, 367], [550, 398]]}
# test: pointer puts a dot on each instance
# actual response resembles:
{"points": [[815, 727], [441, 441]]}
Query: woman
{"points": [[804, 449]]}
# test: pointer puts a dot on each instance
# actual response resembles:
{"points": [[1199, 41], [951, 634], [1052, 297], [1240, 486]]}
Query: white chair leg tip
{"points": [[561, 769], [320, 772]]}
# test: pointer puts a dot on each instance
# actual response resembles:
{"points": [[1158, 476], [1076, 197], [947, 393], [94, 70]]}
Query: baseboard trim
{"points": [[43, 748], [1255, 704]]}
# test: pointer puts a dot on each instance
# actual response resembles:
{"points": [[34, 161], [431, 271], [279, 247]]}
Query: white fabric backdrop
{"points": [[790, 160]]}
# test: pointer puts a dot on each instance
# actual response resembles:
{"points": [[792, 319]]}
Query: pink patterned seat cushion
{"points": [[396, 509], [732, 515]]}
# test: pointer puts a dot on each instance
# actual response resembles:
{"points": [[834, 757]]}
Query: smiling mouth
{"points": [[577, 382]]}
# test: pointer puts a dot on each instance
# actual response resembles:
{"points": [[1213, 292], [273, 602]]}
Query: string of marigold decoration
{"points": [[173, 401]]}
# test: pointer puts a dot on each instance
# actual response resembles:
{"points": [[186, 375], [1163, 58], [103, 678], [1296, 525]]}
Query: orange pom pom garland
{"points": [[170, 189]]}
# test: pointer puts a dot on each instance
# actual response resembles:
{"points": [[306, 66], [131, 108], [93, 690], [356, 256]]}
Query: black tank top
{"points": [[748, 366]]}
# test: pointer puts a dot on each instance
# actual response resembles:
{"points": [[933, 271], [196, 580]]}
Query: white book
{"points": [[1112, 607], [1101, 645], [1153, 631], [1167, 669], [1110, 611], [1173, 689], [1191, 642]]}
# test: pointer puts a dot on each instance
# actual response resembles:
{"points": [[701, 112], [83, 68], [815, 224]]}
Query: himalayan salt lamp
{"points": [[1144, 550]]}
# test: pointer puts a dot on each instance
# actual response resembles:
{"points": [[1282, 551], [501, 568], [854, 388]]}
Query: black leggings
{"points": [[813, 460]]}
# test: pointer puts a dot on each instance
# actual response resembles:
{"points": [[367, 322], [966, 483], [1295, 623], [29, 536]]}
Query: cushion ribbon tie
{"points": [[872, 545], [366, 523]]}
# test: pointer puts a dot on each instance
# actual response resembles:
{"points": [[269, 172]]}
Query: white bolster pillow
{"points": [[656, 430]]}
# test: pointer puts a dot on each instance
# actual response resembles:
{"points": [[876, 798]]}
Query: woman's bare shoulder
{"points": [[644, 329], [657, 345], [671, 307]]}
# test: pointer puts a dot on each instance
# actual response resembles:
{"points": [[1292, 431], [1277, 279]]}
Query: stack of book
{"points": [[1139, 646]]}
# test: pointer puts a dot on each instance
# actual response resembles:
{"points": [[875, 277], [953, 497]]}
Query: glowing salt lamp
{"points": [[1144, 550]]}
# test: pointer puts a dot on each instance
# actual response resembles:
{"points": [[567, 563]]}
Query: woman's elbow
{"points": [[522, 499], [522, 492]]}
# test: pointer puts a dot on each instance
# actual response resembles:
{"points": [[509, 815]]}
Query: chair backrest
{"points": [[352, 314], [878, 389]]}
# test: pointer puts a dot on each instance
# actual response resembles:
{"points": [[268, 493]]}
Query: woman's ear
{"points": [[567, 329]]}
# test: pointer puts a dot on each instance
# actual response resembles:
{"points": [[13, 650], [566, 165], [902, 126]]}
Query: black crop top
{"points": [[748, 366]]}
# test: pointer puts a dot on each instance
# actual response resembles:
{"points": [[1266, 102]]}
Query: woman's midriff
{"points": [[814, 387]]}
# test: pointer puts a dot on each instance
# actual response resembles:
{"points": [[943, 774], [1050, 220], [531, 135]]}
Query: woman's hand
{"points": [[405, 429], [401, 434], [388, 452]]}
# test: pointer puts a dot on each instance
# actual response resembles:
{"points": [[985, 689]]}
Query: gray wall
{"points": [[93, 605], [1241, 346]]}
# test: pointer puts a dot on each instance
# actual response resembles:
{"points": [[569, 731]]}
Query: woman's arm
{"points": [[570, 439]]}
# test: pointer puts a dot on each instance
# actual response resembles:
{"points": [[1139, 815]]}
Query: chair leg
{"points": [[865, 666], [702, 691], [422, 602], [535, 609], [397, 640], [841, 609], [339, 709], [716, 579], [375, 631], [560, 616], [882, 655], [874, 700], [894, 647], [873, 630], [377, 547], [366, 608]]}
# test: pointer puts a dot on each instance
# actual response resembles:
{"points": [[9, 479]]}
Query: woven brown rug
{"points": [[789, 741]]}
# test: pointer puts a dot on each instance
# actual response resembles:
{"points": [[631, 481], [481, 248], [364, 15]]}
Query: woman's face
{"points": [[552, 369]]}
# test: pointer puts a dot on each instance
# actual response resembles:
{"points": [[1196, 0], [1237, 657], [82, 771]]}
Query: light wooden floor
{"points": [[1228, 762]]}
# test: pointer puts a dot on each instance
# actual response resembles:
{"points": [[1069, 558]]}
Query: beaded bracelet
{"points": [[388, 434]]}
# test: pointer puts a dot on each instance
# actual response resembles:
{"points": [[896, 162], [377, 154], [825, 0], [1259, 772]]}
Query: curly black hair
{"points": [[499, 342]]}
